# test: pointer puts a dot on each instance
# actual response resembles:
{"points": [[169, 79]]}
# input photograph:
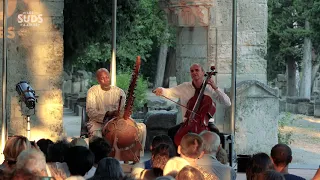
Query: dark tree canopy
{"points": [[286, 32], [88, 32]]}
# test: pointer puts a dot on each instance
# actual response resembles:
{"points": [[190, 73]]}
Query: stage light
{"points": [[27, 94]]}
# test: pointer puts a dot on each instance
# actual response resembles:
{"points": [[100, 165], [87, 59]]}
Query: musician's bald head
{"points": [[101, 70], [197, 65], [197, 74], [103, 78]]}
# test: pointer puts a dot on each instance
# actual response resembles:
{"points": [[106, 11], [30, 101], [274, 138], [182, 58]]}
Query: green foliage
{"points": [[286, 32], [123, 81], [284, 40], [285, 137], [141, 25]]}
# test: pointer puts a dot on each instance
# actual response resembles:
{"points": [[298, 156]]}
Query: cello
{"points": [[202, 110]]}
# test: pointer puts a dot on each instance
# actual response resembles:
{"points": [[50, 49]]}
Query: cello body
{"points": [[201, 120]]}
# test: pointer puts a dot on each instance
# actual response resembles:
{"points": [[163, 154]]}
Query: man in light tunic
{"points": [[102, 105]]}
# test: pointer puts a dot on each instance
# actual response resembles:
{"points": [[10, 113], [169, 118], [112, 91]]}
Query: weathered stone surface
{"points": [[296, 100], [260, 89], [256, 9], [257, 109], [249, 51], [256, 24], [160, 119], [224, 51], [212, 36], [76, 87], [158, 122], [282, 105], [223, 16], [317, 107], [193, 35], [262, 39], [50, 97], [224, 37], [224, 80], [172, 82], [193, 51], [154, 103], [292, 108], [252, 64], [247, 38], [35, 54], [306, 108]]}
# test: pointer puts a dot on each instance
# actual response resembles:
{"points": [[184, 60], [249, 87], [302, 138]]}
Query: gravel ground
{"points": [[305, 132]]}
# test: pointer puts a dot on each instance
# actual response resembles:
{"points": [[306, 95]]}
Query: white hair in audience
{"points": [[174, 165], [211, 142], [33, 161]]}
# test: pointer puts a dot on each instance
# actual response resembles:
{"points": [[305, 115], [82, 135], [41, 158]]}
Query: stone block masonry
{"points": [[35, 54], [204, 36]]}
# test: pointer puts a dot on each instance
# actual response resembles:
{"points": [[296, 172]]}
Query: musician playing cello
{"points": [[187, 90]]}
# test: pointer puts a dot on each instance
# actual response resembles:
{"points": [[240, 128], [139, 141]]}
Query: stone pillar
{"points": [[191, 17], [252, 22], [35, 54]]}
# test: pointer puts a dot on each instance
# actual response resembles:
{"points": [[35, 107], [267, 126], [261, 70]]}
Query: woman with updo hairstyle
{"points": [[14, 146]]}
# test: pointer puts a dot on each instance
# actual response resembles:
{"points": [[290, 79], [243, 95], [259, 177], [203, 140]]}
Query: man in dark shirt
{"points": [[281, 155]]}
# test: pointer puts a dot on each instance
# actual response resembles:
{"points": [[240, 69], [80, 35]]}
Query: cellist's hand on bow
{"points": [[158, 91], [212, 84]]}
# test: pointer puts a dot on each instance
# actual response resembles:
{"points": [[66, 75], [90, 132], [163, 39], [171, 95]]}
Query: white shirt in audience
{"points": [[90, 173], [174, 165], [137, 170], [210, 164], [75, 178]]}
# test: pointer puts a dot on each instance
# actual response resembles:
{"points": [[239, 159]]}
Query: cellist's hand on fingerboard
{"points": [[212, 84]]}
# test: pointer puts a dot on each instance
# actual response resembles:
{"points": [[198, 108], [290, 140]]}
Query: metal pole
{"points": [[114, 42], [234, 72], [28, 127], [4, 133]]}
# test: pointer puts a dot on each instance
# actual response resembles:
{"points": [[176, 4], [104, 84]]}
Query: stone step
{"points": [[71, 123]]}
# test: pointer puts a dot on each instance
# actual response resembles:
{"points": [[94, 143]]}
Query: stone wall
{"points": [[74, 88], [35, 54], [205, 36]]}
